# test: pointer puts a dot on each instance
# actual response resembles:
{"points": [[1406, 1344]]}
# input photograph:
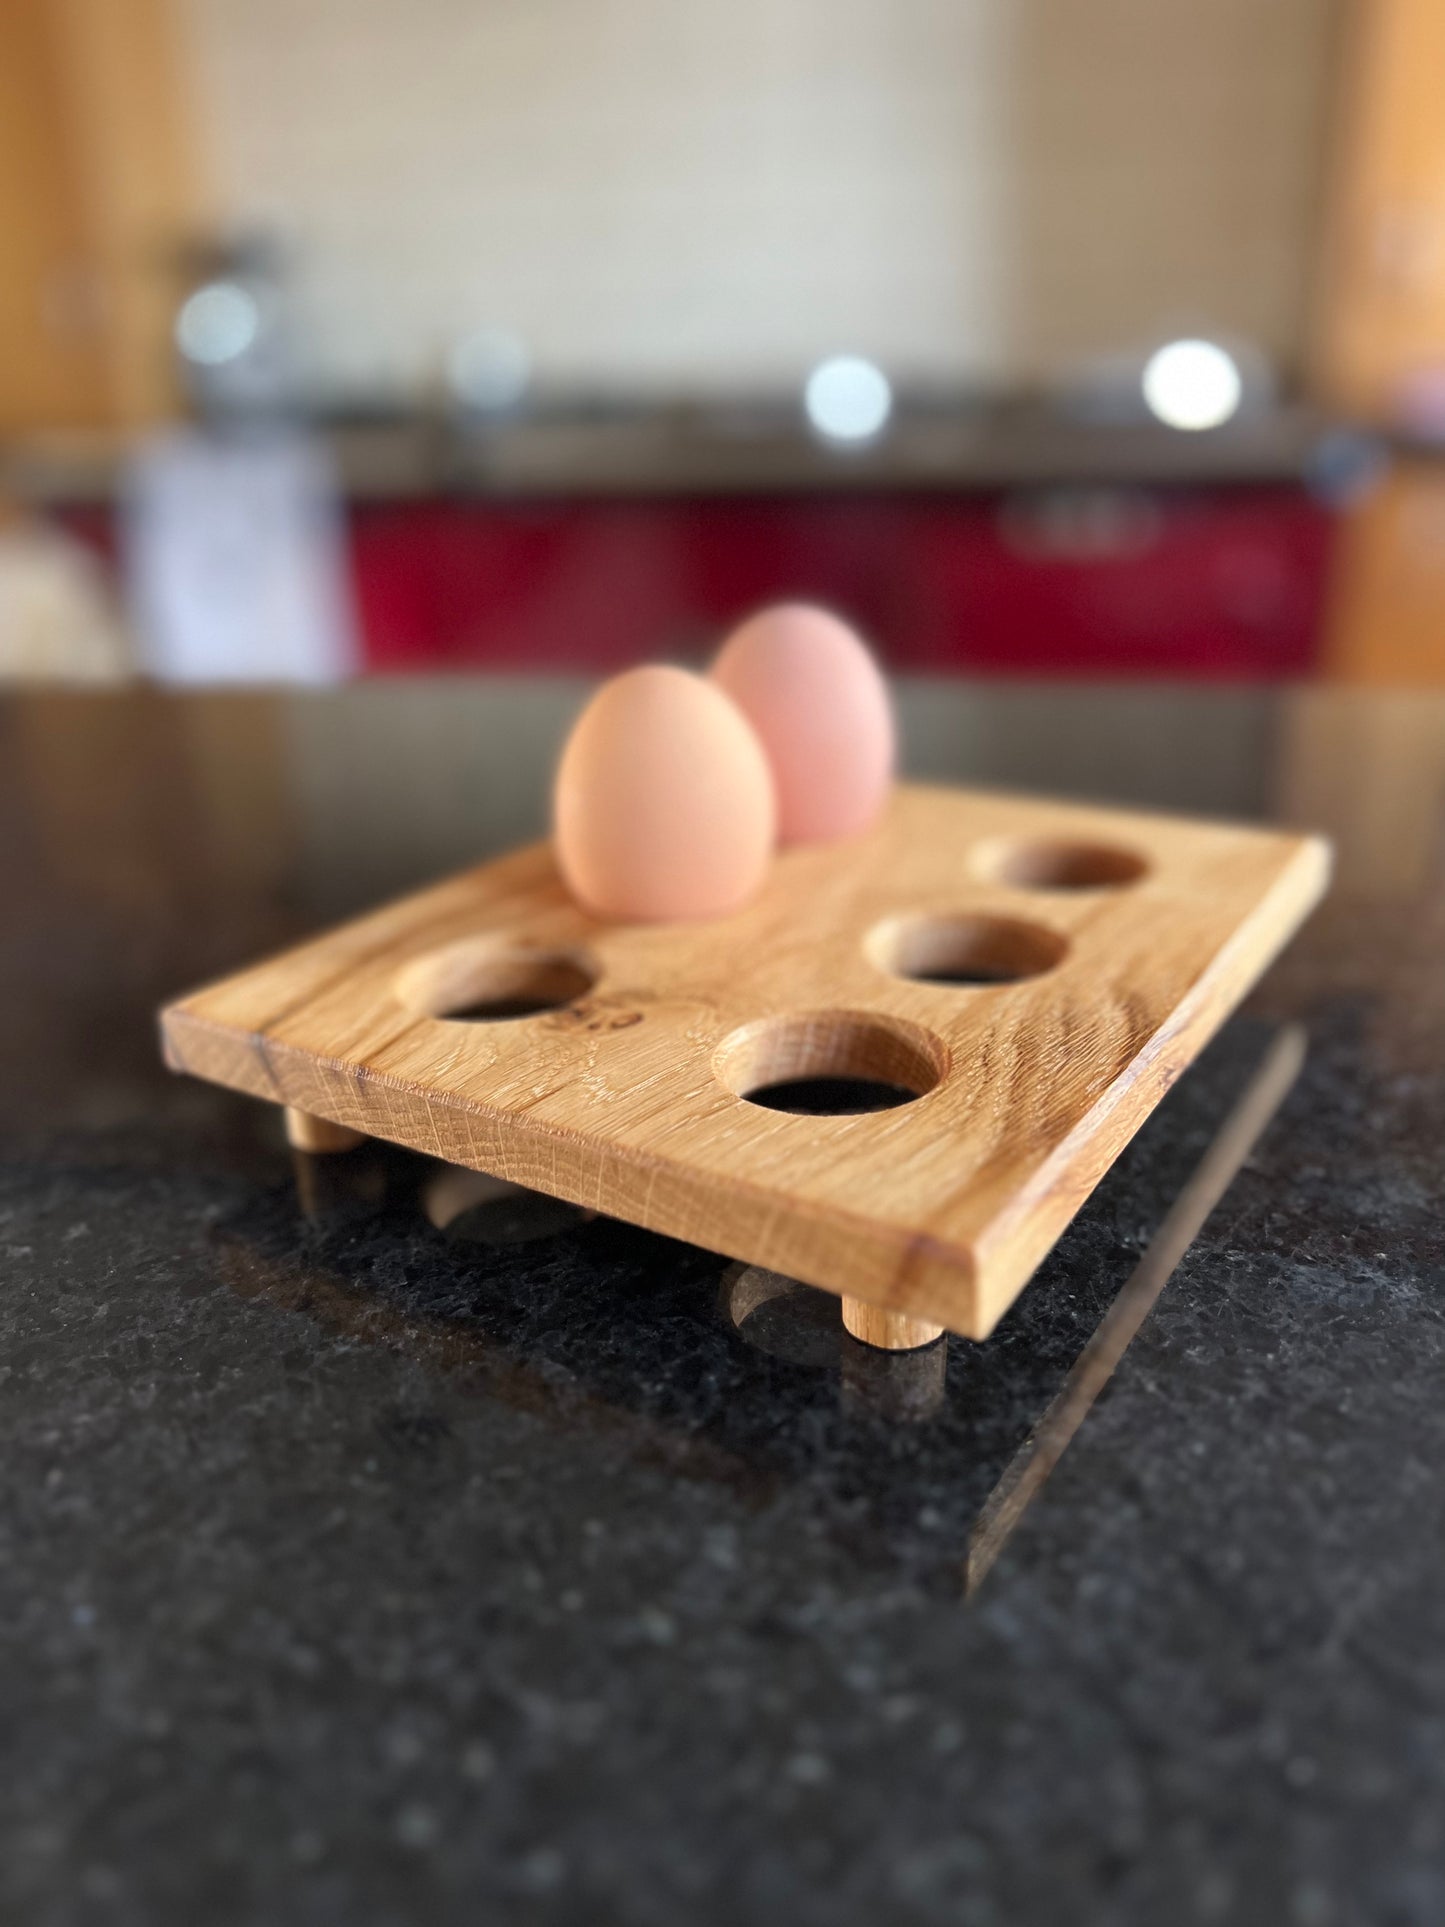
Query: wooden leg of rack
{"points": [[889, 1331], [318, 1134]]}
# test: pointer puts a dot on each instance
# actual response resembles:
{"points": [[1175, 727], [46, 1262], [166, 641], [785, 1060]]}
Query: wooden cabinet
{"points": [[98, 191], [1380, 337], [1387, 603], [1380, 342]]}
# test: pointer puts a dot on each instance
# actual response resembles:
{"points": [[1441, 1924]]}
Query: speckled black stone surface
{"points": [[356, 1570]]}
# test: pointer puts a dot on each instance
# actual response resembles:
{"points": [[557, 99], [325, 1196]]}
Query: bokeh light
{"points": [[1193, 385], [848, 399], [489, 370], [217, 324]]}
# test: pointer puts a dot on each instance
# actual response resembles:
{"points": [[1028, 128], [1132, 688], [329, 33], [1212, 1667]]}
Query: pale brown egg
{"points": [[818, 701], [664, 805]]}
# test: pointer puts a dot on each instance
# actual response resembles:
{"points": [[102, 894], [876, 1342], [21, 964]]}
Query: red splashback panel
{"points": [[1226, 583]]}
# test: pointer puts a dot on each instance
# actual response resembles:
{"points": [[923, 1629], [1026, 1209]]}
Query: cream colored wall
{"points": [[711, 193], [1167, 167]]}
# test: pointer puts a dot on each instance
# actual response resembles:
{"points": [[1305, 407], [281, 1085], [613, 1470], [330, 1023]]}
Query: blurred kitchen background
{"points": [[1085, 343]]}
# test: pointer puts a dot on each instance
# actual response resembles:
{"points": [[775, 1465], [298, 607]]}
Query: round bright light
{"points": [[1192, 384], [490, 369], [848, 399], [217, 324]]}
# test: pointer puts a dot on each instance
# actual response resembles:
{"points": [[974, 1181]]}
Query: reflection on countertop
{"points": [[797, 1401]]}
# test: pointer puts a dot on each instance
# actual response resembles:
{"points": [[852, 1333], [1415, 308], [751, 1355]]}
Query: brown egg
{"points": [[664, 806], [817, 699]]}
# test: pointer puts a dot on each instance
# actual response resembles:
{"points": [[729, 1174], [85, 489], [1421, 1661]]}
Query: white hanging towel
{"points": [[235, 559]]}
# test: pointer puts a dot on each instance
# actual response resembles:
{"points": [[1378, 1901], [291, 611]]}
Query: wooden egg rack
{"points": [[1033, 975]]}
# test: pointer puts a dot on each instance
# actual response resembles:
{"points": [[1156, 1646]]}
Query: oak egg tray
{"points": [[1033, 976]]}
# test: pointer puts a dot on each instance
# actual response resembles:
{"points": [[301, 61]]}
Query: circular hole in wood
{"points": [[488, 981], [964, 949], [830, 1063], [831, 1096], [1057, 865]]}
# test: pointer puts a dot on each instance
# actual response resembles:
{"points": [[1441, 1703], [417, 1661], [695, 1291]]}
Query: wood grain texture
{"points": [[629, 1097]]}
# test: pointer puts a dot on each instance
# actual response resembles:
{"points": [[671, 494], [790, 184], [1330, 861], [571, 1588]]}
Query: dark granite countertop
{"points": [[375, 1549]]}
